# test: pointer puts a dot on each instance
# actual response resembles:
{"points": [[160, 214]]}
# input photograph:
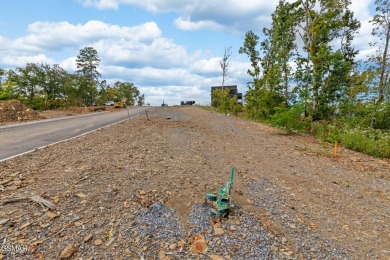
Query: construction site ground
{"points": [[14, 111], [136, 190]]}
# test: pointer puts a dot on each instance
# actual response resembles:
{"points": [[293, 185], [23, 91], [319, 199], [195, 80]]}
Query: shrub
{"points": [[326, 131], [290, 119], [374, 142]]}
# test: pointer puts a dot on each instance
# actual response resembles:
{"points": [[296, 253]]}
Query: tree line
{"points": [[306, 76], [44, 86]]}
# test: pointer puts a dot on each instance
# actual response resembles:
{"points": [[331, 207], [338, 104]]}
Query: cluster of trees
{"points": [[44, 86], [306, 64]]}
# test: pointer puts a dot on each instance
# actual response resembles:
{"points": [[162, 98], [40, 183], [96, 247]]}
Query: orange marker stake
{"points": [[335, 149]]}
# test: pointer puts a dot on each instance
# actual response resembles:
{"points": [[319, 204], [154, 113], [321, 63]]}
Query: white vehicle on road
{"points": [[109, 103]]}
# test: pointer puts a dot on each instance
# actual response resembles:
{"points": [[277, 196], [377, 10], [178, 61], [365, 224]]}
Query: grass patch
{"points": [[374, 142]]}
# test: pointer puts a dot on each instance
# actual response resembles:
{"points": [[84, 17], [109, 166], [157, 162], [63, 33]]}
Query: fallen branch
{"points": [[32, 197]]}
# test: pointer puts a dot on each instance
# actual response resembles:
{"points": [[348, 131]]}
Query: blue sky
{"points": [[170, 49]]}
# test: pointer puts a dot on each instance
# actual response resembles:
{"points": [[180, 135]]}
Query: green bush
{"points": [[37, 103], [234, 106], [290, 119], [374, 142], [261, 104], [220, 99], [7, 92], [326, 131], [224, 104]]}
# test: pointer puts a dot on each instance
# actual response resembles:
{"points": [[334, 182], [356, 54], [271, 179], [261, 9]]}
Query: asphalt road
{"points": [[26, 137]]}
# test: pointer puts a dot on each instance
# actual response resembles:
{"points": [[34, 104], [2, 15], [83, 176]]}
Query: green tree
{"points": [[52, 81], [141, 100], [103, 92], [234, 106], [72, 91], [250, 49], [87, 64], [2, 74], [127, 91], [253, 95], [6, 88], [304, 80], [279, 48], [7, 91], [26, 81], [324, 23], [271, 89], [381, 59], [220, 99], [41, 86]]}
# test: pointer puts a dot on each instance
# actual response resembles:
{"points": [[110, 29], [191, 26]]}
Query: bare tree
{"points": [[225, 64]]}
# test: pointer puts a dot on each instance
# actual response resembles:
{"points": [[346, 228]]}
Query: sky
{"points": [[170, 49]]}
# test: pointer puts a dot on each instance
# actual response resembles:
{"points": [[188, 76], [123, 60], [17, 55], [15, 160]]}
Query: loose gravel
{"points": [[135, 191]]}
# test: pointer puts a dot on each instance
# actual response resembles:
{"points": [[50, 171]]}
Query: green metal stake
{"points": [[225, 197], [223, 200]]}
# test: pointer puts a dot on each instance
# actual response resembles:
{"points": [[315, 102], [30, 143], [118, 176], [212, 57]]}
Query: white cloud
{"points": [[207, 66], [232, 15], [361, 11], [155, 76], [186, 24], [161, 52], [187, 6], [69, 64], [102, 4], [118, 43], [169, 85], [160, 67], [172, 95], [237, 70], [361, 8], [56, 35], [21, 61], [173, 85]]}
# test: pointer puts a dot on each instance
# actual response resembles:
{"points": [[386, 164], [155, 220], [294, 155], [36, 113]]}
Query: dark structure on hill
{"points": [[187, 103], [233, 92]]}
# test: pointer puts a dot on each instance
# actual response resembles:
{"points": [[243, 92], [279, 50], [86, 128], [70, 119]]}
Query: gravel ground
{"points": [[135, 191]]}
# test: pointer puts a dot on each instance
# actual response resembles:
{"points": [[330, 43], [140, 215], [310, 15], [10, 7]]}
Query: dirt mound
{"points": [[16, 111]]}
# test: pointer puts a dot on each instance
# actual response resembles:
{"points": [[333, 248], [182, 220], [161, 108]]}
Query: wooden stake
{"points": [[146, 112], [335, 149]]}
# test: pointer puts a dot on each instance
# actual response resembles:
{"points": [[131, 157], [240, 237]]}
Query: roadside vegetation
{"points": [[43, 86], [318, 86]]}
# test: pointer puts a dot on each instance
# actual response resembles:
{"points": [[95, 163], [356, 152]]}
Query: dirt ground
{"points": [[135, 191], [14, 111]]}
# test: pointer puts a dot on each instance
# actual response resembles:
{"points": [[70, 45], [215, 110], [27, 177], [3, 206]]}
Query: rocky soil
{"points": [[136, 190], [14, 111]]}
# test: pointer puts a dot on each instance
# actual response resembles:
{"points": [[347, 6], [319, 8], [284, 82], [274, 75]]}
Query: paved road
{"points": [[22, 138]]}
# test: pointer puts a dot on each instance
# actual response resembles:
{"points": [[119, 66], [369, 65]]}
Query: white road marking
{"points": [[65, 140]]}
